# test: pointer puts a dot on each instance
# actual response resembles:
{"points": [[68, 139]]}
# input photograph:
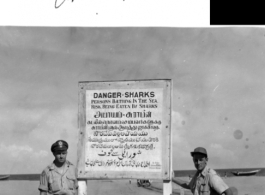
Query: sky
{"points": [[218, 88]]}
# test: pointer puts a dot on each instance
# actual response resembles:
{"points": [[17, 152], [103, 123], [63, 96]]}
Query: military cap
{"points": [[199, 150], [59, 145]]}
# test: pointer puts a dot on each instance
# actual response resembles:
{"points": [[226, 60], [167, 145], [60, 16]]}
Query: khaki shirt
{"points": [[207, 183], [53, 182]]}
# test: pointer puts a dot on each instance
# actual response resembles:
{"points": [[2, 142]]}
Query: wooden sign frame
{"points": [[158, 91]]}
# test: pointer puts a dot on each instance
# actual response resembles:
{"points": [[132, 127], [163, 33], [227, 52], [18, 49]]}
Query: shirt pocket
{"points": [[54, 186], [70, 181], [204, 189]]}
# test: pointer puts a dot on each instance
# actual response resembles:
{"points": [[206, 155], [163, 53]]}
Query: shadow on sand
{"points": [[160, 190]]}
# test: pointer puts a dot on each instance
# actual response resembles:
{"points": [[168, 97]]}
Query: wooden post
{"points": [[82, 187], [167, 184], [167, 187]]}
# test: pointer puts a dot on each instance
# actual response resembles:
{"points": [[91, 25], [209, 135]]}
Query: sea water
{"points": [[9, 187]]}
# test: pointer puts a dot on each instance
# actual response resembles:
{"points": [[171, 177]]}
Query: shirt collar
{"points": [[204, 171], [52, 166]]}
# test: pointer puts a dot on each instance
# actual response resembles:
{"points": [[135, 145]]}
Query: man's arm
{"points": [[43, 187], [218, 184], [43, 193], [181, 182], [228, 192]]}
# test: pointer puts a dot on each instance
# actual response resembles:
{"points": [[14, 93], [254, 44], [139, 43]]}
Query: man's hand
{"points": [[43, 193], [230, 191], [180, 182]]}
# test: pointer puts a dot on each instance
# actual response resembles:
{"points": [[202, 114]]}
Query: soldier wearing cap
{"points": [[205, 181], [59, 178]]}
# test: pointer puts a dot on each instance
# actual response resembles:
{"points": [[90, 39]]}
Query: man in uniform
{"points": [[59, 178], [205, 181]]}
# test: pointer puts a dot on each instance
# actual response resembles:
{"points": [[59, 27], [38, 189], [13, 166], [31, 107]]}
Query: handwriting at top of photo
{"points": [[59, 3]]}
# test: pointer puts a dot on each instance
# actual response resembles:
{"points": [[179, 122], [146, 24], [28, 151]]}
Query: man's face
{"points": [[60, 156], [200, 161]]}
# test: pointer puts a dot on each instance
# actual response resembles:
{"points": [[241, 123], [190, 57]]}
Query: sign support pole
{"points": [[82, 187], [167, 184], [167, 187]]}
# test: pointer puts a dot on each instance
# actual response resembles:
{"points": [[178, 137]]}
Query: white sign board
{"points": [[125, 129]]}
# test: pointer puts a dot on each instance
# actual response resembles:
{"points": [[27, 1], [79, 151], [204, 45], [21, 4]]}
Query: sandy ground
{"points": [[244, 185], [251, 185]]}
